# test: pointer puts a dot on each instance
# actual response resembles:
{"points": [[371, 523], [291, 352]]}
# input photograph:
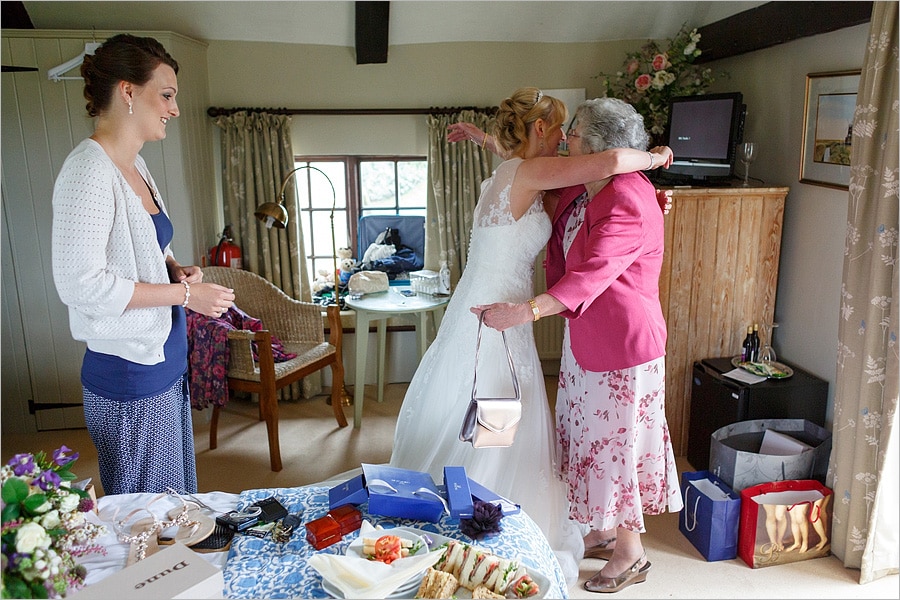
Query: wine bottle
{"points": [[755, 349], [747, 346]]}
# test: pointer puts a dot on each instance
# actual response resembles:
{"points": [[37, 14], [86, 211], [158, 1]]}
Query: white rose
{"points": [[69, 502], [31, 536], [50, 520]]}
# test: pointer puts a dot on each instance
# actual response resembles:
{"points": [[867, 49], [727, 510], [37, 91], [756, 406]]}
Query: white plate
{"points": [[772, 370], [356, 546]]}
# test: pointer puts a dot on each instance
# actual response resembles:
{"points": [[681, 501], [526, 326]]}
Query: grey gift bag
{"points": [[735, 456]]}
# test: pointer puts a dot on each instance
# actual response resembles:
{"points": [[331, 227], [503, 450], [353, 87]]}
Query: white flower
{"points": [[31, 536], [68, 502], [50, 520], [689, 49], [43, 508]]}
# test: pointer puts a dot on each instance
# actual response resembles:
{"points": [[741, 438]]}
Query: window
{"points": [[394, 185]]}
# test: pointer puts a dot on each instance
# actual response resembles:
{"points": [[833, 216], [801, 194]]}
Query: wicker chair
{"points": [[299, 326]]}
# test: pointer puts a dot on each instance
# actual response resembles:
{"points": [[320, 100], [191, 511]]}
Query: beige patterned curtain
{"points": [[456, 170], [864, 463], [256, 155]]}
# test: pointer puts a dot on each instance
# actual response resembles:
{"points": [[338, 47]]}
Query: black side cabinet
{"points": [[717, 401]]}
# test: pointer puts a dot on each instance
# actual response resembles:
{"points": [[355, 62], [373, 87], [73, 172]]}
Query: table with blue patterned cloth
{"points": [[263, 568]]}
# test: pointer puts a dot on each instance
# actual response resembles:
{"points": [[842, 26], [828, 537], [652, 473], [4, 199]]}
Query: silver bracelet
{"points": [[187, 294], [651, 160]]}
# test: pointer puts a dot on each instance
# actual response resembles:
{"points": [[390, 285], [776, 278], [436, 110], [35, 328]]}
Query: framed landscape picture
{"points": [[828, 127]]}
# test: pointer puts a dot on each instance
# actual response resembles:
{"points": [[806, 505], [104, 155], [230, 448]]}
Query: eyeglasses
{"points": [[570, 134]]}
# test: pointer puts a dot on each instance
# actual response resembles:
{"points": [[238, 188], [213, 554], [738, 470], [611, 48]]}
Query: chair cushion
{"points": [[306, 354]]}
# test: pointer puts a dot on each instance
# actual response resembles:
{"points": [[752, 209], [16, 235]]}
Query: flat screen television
{"points": [[703, 132]]}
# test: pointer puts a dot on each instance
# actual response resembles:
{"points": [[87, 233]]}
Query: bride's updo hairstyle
{"points": [[524, 107], [122, 57]]}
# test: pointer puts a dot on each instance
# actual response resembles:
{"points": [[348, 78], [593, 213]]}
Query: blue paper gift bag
{"points": [[711, 515]]}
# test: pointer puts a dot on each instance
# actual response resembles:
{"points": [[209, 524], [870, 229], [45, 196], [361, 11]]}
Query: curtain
{"points": [[456, 170], [256, 155], [863, 471]]}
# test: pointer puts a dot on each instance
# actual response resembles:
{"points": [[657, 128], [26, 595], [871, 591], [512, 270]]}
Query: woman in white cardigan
{"points": [[114, 269]]}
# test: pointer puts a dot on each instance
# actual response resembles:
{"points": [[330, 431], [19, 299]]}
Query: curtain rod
{"points": [[214, 111]]}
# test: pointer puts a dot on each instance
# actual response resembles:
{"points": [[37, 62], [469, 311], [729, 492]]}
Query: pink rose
{"points": [[632, 66], [642, 83], [660, 62]]}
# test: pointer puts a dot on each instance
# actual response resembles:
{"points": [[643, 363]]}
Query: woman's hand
{"points": [[210, 299], [177, 273], [458, 132], [666, 153], [503, 315]]}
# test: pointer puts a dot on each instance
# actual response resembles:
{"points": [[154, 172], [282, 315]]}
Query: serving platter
{"points": [[769, 370]]}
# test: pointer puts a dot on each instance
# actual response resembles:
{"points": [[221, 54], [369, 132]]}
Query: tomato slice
{"points": [[388, 549]]}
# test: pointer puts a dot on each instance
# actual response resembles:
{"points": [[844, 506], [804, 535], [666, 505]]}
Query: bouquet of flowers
{"points": [[44, 529], [651, 76]]}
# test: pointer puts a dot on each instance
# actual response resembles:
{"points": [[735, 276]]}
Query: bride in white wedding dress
{"points": [[510, 228]]}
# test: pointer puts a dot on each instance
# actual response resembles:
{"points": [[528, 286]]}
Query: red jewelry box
{"points": [[323, 532], [331, 528], [348, 517]]}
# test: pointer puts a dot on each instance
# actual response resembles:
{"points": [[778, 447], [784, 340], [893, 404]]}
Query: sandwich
{"points": [[437, 584]]}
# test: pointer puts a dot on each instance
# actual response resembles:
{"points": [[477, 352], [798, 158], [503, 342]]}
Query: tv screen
{"points": [[703, 132]]}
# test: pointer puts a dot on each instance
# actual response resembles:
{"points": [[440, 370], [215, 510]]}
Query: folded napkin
{"points": [[359, 577]]}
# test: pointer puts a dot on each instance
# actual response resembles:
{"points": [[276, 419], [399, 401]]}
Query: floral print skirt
{"points": [[613, 444]]}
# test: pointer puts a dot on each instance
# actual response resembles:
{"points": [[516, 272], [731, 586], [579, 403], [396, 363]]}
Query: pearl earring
{"points": [[130, 108]]}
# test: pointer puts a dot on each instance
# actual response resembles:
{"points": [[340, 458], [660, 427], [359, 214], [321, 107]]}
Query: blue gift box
{"points": [[458, 495], [479, 492], [353, 491], [403, 493]]}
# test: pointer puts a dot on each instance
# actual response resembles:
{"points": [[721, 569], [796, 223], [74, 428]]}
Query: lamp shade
{"points": [[272, 213]]}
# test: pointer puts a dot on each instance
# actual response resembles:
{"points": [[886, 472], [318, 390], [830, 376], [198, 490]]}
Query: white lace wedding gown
{"points": [[500, 268]]}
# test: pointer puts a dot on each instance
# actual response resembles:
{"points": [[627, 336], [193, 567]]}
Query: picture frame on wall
{"points": [[827, 128]]}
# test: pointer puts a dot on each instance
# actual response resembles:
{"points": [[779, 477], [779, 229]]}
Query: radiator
{"points": [[548, 333]]}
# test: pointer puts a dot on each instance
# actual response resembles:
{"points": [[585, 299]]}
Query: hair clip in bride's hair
{"points": [[540, 95]]}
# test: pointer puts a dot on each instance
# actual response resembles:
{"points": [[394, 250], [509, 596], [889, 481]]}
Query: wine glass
{"points": [[767, 354], [747, 154]]}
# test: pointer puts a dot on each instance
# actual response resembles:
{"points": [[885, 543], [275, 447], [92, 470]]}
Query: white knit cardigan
{"points": [[103, 242]]}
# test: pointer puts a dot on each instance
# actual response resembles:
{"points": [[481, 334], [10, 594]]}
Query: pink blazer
{"points": [[609, 281]]}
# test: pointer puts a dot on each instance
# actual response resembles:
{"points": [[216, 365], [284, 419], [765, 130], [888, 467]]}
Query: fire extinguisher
{"points": [[226, 253]]}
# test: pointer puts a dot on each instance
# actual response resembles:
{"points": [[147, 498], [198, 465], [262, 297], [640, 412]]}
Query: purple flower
{"points": [[61, 458], [22, 464], [48, 480], [485, 521]]}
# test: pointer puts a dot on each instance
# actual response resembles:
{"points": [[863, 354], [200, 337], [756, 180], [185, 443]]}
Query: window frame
{"points": [[353, 187]]}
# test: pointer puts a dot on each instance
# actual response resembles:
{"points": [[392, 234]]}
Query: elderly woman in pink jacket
{"points": [[603, 264]]}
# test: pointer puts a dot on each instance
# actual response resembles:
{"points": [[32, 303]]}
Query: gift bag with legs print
{"points": [[784, 522]]}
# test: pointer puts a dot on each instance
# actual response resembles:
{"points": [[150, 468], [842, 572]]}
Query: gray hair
{"points": [[610, 123]]}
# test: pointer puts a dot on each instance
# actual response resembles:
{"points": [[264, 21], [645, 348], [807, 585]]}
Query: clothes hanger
{"points": [[56, 73]]}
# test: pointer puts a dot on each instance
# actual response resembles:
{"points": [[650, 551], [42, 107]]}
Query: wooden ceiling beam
{"points": [[775, 23], [372, 24]]}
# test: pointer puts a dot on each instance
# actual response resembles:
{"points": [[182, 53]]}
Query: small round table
{"points": [[379, 307]]}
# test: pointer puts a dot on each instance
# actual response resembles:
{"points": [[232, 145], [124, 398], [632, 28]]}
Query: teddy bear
{"points": [[347, 264]]}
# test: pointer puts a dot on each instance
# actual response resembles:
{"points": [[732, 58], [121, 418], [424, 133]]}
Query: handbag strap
{"points": [[509, 359]]}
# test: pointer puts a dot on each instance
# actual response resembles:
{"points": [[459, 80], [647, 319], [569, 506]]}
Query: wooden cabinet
{"points": [[719, 275]]}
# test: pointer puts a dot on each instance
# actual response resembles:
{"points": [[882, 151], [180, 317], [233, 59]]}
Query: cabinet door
{"points": [[719, 274]]}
